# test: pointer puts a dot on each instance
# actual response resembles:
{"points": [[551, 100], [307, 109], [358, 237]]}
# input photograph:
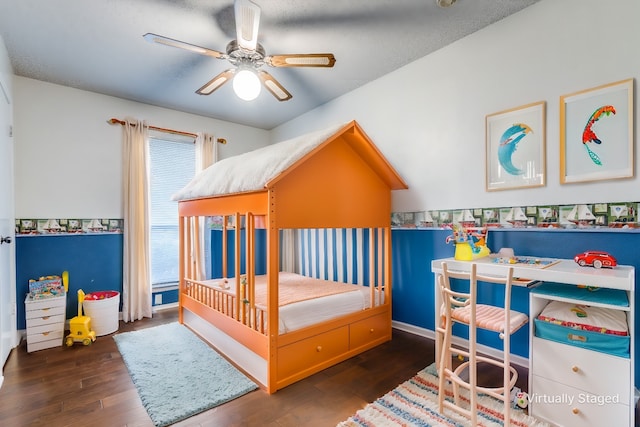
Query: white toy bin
{"points": [[102, 307]]}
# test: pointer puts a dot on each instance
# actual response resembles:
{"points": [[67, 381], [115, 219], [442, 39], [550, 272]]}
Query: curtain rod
{"points": [[114, 121]]}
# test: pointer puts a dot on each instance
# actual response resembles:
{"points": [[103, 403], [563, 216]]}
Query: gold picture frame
{"points": [[596, 133], [516, 148]]}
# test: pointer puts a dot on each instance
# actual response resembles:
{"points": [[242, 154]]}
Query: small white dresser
{"points": [[45, 322]]}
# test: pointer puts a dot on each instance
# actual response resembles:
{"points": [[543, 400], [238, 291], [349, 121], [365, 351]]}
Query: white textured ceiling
{"points": [[97, 45]]}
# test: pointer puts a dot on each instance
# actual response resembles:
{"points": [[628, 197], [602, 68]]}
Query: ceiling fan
{"points": [[248, 56]]}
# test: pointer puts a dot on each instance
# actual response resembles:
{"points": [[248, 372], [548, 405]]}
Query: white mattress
{"points": [[309, 312], [305, 313]]}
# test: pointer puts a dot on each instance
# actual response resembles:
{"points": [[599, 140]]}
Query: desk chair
{"points": [[462, 307]]}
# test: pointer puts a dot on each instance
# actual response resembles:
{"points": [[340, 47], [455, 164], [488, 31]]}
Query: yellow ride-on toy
{"points": [[80, 326]]}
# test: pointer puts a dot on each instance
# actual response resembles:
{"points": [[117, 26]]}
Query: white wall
{"points": [[68, 158], [428, 118], [6, 72]]}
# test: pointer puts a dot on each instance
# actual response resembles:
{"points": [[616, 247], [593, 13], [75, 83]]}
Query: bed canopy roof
{"points": [[261, 169]]}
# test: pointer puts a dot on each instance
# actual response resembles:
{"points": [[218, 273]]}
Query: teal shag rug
{"points": [[177, 374]]}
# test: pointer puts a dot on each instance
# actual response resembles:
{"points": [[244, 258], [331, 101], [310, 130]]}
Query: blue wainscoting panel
{"points": [[169, 296], [412, 280], [94, 263], [216, 250]]}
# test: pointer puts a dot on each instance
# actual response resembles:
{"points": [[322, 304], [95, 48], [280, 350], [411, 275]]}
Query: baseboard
{"points": [[416, 330], [162, 307]]}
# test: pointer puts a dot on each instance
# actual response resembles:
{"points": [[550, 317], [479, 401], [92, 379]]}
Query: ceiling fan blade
{"points": [[247, 22], [216, 82], [274, 86], [301, 60], [155, 38]]}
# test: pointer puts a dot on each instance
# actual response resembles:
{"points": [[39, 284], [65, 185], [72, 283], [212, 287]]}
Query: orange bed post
{"points": [[372, 266], [382, 284], [225, 273], [387, 265], [273, 264], [250, 269], [195, 262], [237, 270], [181, 272]]}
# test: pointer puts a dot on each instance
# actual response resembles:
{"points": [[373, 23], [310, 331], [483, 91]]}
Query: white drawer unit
{"points": [[576, 382], [598, 373], [562, 405], [45, 322]]}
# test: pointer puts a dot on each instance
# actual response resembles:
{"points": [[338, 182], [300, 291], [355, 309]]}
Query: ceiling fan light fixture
{"points": [[246, 85]]}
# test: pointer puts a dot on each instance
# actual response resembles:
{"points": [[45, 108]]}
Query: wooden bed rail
{"points": [[225, 302], [237, 298], [242, 309]]}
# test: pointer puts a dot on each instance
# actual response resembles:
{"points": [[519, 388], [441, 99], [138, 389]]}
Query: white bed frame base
{"points": [[251, 363]]}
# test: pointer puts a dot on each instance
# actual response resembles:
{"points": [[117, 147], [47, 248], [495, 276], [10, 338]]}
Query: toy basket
{"points": [[102, 307]]}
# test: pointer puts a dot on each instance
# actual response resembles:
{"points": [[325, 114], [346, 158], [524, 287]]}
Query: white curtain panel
{"points": [[206, 151], [206, 155], [136, 286]]}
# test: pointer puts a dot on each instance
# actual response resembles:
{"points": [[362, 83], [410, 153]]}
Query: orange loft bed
{"points": [[335, 179]]}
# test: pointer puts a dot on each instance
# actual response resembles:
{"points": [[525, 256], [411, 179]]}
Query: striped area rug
{"points": [[415, 403]]}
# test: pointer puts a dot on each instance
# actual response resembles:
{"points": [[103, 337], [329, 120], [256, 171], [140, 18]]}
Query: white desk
{"points": [[567, 272]]}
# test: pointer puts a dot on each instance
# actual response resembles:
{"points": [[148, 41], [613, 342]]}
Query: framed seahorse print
{"points": [[596, 133], [515, 148]]}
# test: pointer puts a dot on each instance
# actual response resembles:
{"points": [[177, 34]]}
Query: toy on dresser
{"points": [[46, 287]]}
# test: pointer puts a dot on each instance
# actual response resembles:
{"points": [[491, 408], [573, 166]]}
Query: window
{"points": [[172, 167]]}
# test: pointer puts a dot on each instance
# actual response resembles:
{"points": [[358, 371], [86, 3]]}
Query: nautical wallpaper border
{"points": [[608, 215], [58, 226], [620, 215]]}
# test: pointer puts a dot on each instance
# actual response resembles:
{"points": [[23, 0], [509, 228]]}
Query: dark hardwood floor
{"points": [[90, 386]]}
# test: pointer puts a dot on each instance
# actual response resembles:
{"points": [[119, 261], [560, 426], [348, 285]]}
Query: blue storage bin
{"points": [[616, 345]]}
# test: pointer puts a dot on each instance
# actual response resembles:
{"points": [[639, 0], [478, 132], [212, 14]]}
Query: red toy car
{"points": [[596, 259]]}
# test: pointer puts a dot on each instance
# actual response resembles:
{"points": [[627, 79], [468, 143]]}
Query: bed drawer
{"points": [[312, 351], [368, 330]]}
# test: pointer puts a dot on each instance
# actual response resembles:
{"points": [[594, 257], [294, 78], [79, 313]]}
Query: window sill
{"points": [[161, 287]]}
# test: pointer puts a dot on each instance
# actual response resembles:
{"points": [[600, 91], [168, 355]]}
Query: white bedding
{"points": [[253, 170], [305, 313]]}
